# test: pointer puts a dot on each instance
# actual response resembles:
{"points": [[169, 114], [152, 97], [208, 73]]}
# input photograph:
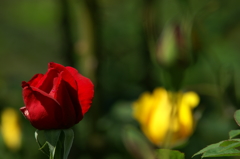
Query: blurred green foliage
{"points": [[112, 42]]}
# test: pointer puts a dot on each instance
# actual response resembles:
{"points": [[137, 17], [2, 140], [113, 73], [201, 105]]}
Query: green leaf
{"points": [[218, 152], [39, 144], [209, 147], [169, 154], [52, 139], [234, 133], [230, 144], [237, 117], [68, 140], [52, 136], [223, 148]]}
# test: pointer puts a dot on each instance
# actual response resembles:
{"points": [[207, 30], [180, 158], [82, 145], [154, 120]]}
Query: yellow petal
{"points": [[158, 119], [158, 123], [185, 119], [162, 112], [142, 107], [191, 99], [11, 132]]}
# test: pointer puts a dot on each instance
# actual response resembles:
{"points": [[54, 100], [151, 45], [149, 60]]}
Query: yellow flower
{"points": [[10, 129], [165, 117]]}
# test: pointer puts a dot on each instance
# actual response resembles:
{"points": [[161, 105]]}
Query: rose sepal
{"points": [[59, 142]]}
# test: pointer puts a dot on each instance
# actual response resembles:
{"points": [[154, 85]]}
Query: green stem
{"points": [[59, 149]]}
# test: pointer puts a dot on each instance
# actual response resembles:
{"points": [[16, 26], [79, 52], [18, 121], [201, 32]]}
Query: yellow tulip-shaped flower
{"points": [[166, 116], [10, 129]]}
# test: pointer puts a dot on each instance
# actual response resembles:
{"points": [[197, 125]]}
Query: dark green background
{"points": [[106, 40]]}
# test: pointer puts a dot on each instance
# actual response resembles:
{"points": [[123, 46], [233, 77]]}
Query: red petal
{"points": [[46, 82], [44, 112], [67, 98], [35, 79], [85, 89], [68, 86], [56, 66], [25, 112]]}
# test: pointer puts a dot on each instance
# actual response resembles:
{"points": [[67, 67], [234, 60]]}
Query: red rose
{"points": [[57, 99]]}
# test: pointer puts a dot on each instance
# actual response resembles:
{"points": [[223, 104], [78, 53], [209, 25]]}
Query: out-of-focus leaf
{"points": [[169, 154], [122, 111], [237, 116], [136, 144]]}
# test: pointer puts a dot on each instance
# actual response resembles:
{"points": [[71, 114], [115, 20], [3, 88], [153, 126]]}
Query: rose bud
{"points": [[173, 49], [57, 99]]}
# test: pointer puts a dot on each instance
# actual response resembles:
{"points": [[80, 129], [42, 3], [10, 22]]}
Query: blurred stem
{"points": [[221, 90], [148, 42], [93, 18], [67, 40], [216, 70], [172, 78], [185, 6], [86, 42], [149, 25]]}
